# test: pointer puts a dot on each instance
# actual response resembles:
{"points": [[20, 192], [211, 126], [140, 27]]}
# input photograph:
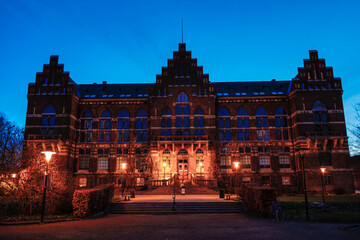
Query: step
{"points": [[181, 207]]}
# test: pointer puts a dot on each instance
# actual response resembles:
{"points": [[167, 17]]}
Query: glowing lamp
{"points": [[164, 164], [236, 164], [48, 155], [13, 175], [123, 165], [323, 170], [201, 164]]}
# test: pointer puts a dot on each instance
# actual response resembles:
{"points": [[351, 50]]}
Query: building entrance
{"points": [[183, 169]]}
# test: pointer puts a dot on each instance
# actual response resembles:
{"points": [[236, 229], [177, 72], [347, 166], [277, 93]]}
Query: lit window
{"points": [[82, 182], [264, 161], [103, 163], [284, 161], [286, 180]]}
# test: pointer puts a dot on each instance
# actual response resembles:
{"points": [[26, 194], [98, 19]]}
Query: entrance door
{"points": [[183, 169]]}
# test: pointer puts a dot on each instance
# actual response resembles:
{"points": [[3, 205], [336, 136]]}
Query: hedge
{"points": [[259, 199], [90, 201]]}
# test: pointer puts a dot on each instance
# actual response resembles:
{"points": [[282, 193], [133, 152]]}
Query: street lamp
{"points": [[164, 164], [237, 164], [48, 155], [302, 151], [123, 166], [201, 164], [323, 183]]}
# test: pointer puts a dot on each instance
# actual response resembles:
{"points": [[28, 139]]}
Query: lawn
{"points": [[338, 208]]}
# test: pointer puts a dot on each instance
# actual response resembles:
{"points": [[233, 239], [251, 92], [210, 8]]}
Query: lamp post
{"points": [[123, 166], [323, 183], [48, 155], [302, 151], [164, 165], [201, 164], [237, 164]]}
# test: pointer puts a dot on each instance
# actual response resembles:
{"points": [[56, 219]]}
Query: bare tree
{"points": [[355, 131], [11, 143]]}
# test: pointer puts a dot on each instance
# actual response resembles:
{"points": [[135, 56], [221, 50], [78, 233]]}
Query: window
{"points": [[199, 122], [123, 126], [262, 125], [243, 125], [86, 127], [281, 131], [320, 116], [82, 182], [265, 180], [328, 180], [121, 163], [141, 126], [284, 161], [103, 163], [84, 163], [166, 158], [182, 115], [105, 127], [48, 120], [166, 122], [285, 180], [225, 162], [199, 160], [246, 179], [264, 161], [245, 162], [224, 125]]}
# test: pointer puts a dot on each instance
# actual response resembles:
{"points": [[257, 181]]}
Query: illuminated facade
{"points": [[184, 124]]}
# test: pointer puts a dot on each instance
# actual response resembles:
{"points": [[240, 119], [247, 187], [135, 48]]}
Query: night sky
{"points": [[129, 41]]}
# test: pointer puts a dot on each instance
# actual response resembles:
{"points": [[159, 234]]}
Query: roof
{"points": [[97, 91], [255, 88], [140, 90]]}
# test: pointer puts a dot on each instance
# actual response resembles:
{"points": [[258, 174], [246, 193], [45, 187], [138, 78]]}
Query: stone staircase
{"points": [[178, 208], [190, 190]]}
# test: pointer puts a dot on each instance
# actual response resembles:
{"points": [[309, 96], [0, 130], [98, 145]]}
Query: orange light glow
{"points": [[48, 155], [323, 170], [236, 164]]}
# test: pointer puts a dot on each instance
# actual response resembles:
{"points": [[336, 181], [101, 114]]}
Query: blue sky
{"points": [[129, 41]]}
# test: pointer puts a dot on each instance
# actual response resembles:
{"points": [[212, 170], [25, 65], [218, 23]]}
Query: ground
{"points": [[186, 226]]}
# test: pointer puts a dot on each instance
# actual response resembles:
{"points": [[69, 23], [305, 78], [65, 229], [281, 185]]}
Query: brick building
{"points": [[185, 124]]}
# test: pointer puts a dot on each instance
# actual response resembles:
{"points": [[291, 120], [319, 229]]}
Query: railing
{"points": [[183, 138], [159, 183], [206, 182]]}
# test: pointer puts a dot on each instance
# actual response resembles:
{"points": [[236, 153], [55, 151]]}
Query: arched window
{"points": [[141, 126], [166, 159], [262, 125], [320, 116], [123, 126], [182, 115], [199, 122], [166, 122], [199, 155], [86, 126], [224, 125], [281, 131], [182, 152], [105, 127], [243, 125], [48, 120]]}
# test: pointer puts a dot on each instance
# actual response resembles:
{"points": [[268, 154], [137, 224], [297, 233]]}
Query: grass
{"points": [[342, 208]]}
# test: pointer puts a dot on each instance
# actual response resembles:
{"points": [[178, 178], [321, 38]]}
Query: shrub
{"points": [[259, 199], [90, 201]]}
